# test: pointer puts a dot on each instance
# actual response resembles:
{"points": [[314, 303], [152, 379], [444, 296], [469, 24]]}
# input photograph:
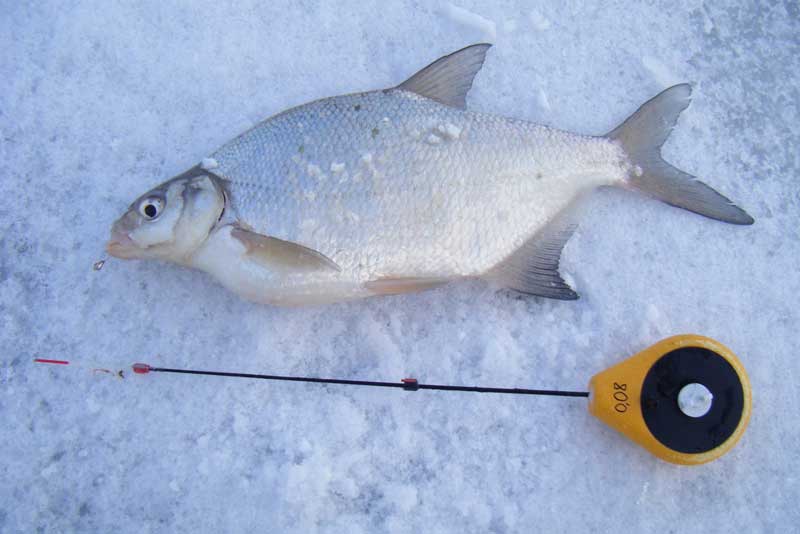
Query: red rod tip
{"points": [[141, 368], [43, 360]]}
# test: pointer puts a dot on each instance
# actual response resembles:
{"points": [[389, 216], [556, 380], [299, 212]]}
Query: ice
{"points": [[661, 73], [448, 131], [433, 139], [543, 101], [486, 27], [539, 21], [209, 164], [99, 102]]}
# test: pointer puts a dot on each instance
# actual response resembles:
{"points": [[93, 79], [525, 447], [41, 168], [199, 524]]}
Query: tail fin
{"points": [[642, 135]]}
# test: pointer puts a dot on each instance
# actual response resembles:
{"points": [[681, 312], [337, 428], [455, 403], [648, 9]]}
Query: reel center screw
{"points": [[695, 400]]}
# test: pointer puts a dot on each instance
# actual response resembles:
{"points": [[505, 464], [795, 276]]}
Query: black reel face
{"points": [[668, 421]]}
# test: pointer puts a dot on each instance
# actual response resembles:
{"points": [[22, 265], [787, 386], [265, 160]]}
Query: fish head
{"points": [[171, 221]]}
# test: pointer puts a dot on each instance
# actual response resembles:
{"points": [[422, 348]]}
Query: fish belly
{"points": [[391, 184]]}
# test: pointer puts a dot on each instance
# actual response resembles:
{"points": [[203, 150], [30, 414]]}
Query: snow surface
{"points": [[100, 101]]}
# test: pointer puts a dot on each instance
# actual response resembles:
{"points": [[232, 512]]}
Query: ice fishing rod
{"points": [[408, 384], [686, 399]]}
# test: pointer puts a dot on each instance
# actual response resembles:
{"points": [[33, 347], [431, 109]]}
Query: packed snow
{"points": [[101, 101]]}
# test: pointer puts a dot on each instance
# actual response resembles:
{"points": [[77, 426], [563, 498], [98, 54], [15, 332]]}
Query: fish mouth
{"points": [[121, 246]]}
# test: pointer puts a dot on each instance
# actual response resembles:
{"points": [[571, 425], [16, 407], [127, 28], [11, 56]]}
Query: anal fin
{"points": [[276, 253], [396, 285], [533, 268]]}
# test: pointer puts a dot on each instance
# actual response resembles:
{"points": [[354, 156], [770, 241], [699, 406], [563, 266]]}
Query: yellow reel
{"points": [[686, 399]]}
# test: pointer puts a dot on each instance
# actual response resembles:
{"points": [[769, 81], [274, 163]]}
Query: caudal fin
{"points": [[642, 135]]}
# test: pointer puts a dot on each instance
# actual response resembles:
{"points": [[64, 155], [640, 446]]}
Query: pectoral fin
{"points": [[276, 253], [396, 285]]}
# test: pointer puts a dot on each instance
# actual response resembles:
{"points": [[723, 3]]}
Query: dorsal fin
{"points": [[448, 79]]}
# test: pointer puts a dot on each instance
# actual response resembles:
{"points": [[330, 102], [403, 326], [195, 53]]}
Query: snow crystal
{"points": [[660, 71], [539, 21], [209, 164], [314, 170], [433, 139], [448, 131], [462, 16], [542, 99]]}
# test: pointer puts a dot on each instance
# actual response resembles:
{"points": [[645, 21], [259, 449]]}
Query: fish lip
{"points": [[121, 246]]}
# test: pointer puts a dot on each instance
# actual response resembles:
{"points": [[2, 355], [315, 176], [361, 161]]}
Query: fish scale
{"points": [[412, 197]]}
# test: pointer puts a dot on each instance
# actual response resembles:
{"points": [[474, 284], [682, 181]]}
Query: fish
{"points": [[402, 189]]}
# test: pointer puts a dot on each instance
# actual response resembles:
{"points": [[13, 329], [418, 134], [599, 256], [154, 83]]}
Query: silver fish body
{"points": [[389, 183], [404, 189]]}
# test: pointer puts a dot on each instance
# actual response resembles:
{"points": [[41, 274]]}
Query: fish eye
{"points": [[151, 207]]}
